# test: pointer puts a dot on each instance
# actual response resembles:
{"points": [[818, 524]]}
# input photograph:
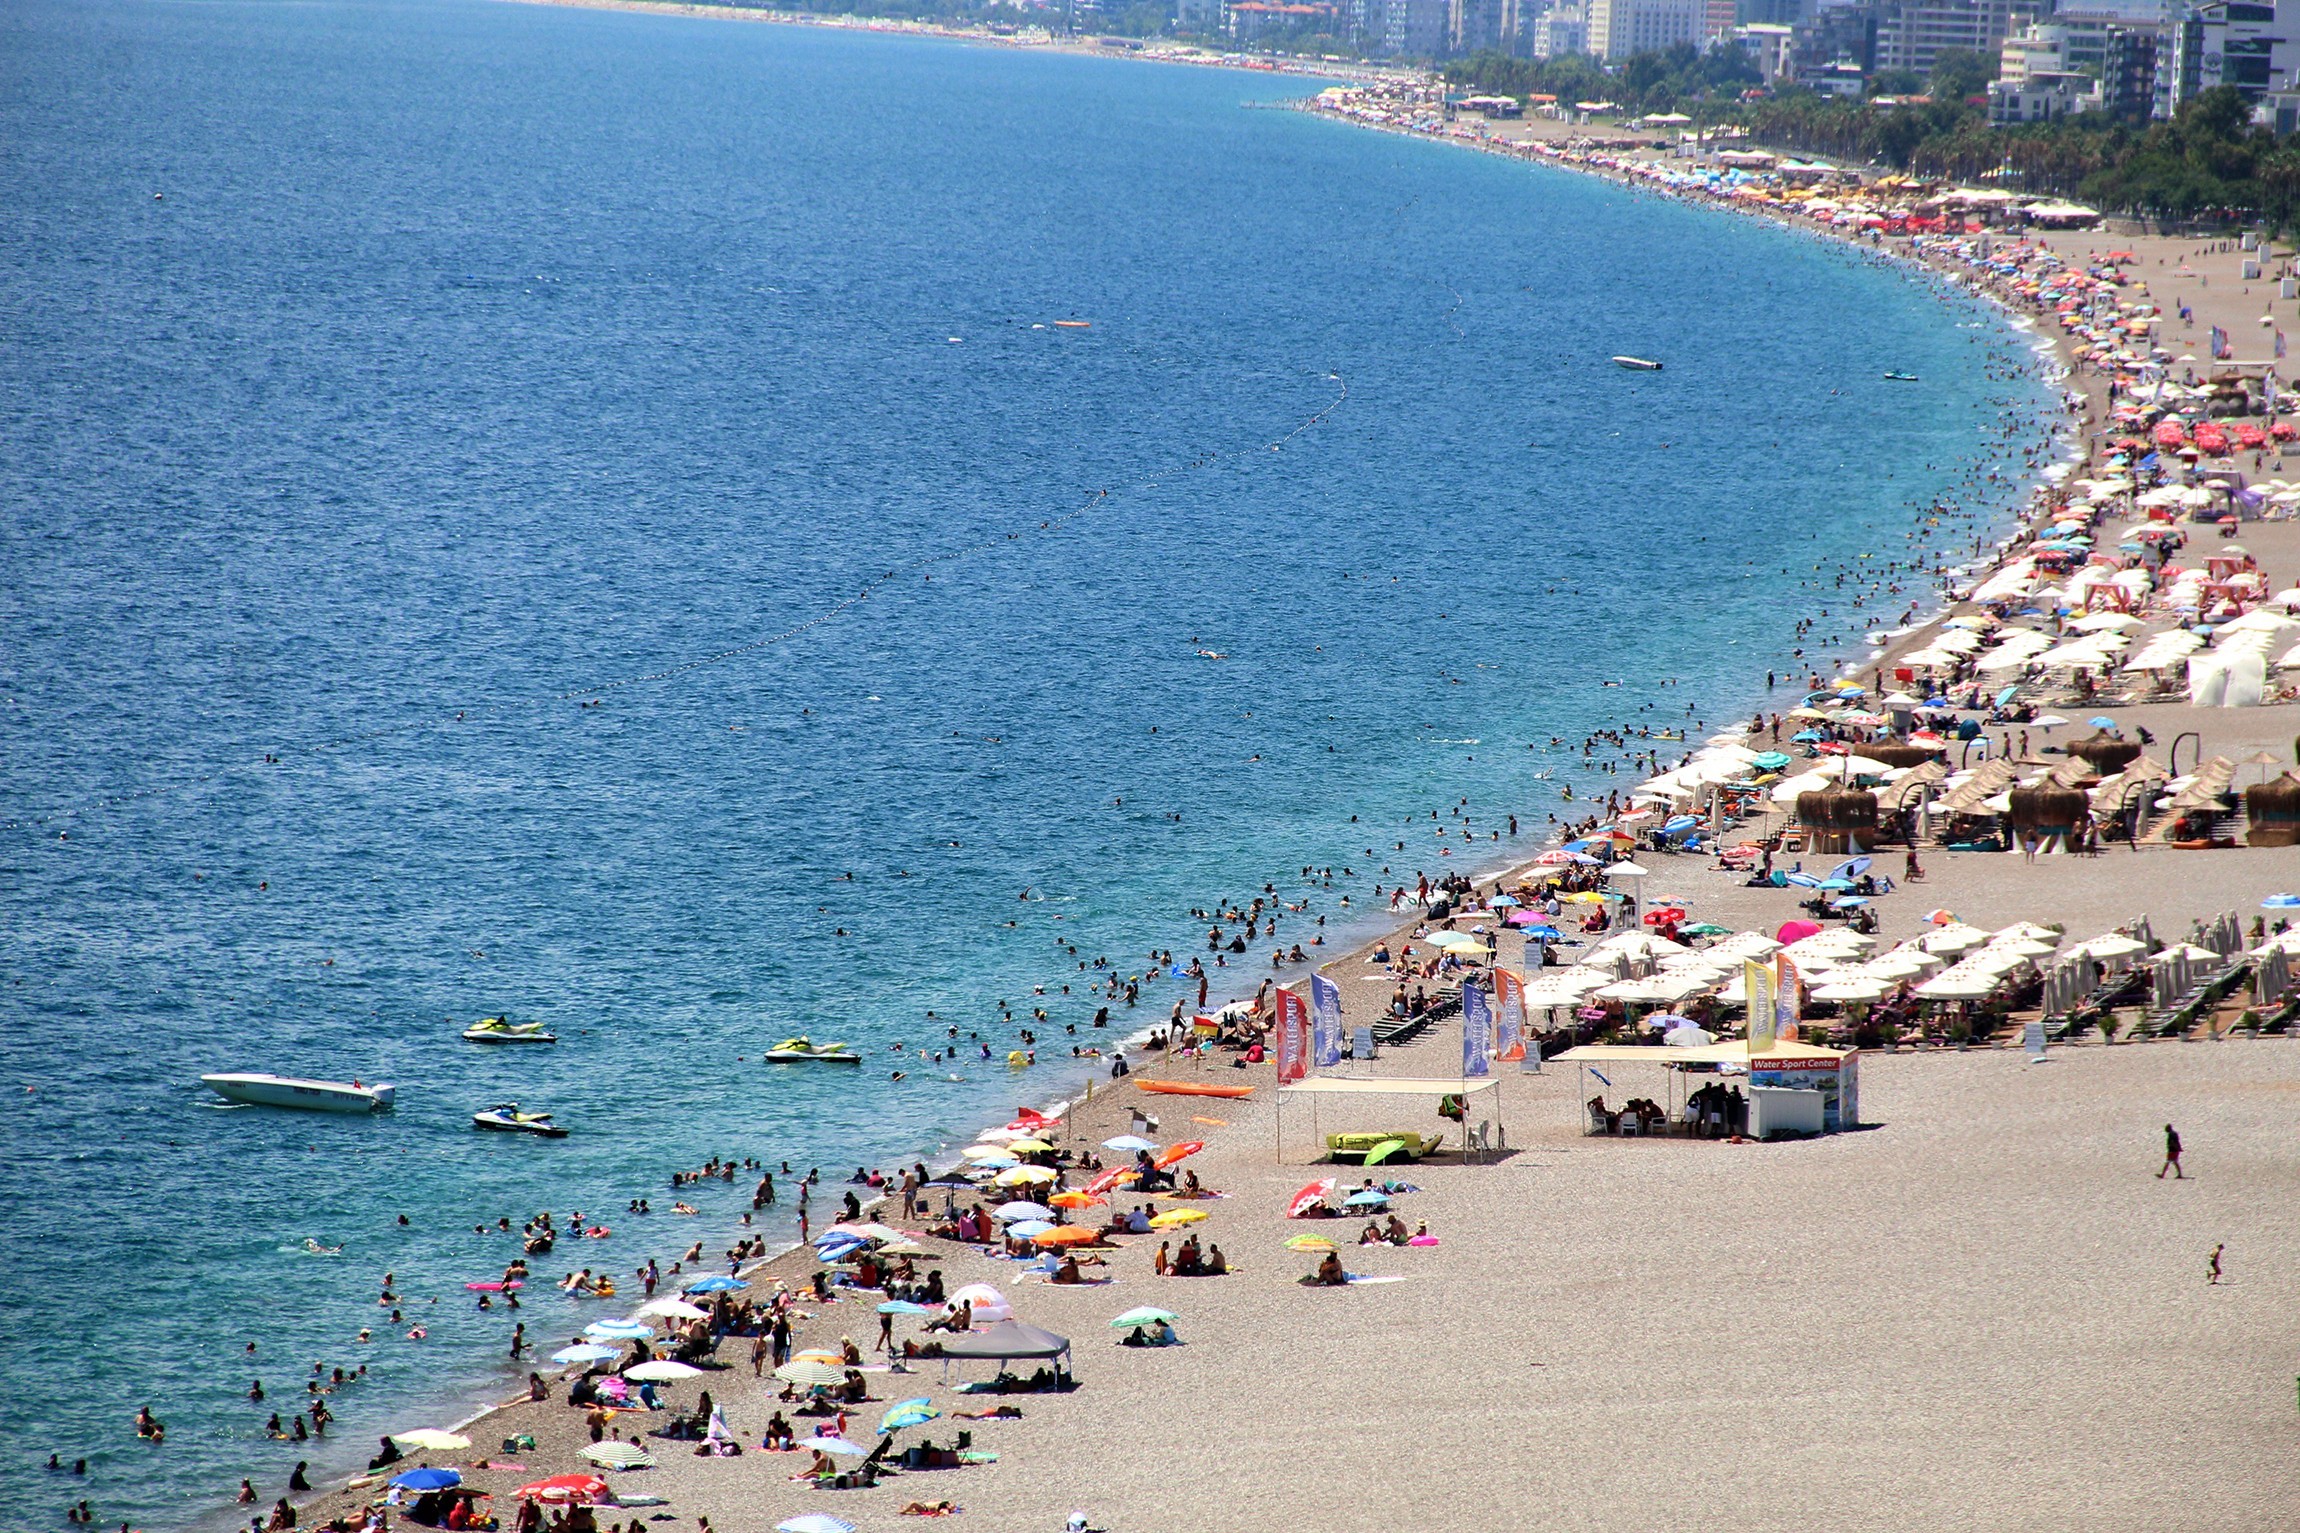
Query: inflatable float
{"points": [[1193, 1089]]}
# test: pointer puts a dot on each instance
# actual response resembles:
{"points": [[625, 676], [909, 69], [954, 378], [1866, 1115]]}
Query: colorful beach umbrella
{"points": [[1311, 1243], [1174, 1218], [565, 1487]]}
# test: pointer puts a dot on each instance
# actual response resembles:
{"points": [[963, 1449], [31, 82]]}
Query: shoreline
{"points": [[1099, 1105]]}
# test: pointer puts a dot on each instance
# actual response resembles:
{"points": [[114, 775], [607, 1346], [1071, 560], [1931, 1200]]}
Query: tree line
{"points": [[2207, 160]]}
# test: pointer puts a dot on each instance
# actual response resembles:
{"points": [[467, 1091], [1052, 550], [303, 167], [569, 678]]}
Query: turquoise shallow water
{"points": [[476, 363]]}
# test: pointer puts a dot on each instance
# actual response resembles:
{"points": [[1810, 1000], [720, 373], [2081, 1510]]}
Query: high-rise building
{"points": [[1911, 34], [1619, 28], [2235, 42], [1560, 32], [1417, 29], [2128, 72]]}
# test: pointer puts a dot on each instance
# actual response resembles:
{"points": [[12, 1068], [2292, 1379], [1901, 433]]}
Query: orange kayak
{"points": [[1192, 1089]]}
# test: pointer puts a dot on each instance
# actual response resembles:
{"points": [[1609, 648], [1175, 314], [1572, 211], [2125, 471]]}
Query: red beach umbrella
{"points": [[1313, 1194], [1182, 1151], [587, 1488]]}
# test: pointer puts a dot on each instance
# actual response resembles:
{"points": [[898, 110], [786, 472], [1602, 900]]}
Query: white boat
{"points": [[290, 1091], [1640, 364], [802, 1050], [506, 1118], [504, 1030]]}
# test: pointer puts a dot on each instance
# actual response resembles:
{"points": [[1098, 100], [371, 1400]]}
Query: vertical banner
{"points": [[1293, 1037], [1325, 1022], [1788, 997], [1758, 978], [1476, 1030], [1509, 1023]]}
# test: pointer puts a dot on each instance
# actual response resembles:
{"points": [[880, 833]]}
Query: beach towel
{"points": [[1356, 1278]]}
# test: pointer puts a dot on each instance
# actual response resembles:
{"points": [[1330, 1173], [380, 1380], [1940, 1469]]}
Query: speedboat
{"points": [[1900, 377], [504, 1030], [260, 1090], [1638, 364], [803, 1050], [506, 1118]]}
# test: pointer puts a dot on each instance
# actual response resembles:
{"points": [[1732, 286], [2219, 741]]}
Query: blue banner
{"points": [[1476, 1030], [1325, 1022]]}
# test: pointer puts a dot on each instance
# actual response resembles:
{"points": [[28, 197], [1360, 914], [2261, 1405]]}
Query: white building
{"points": [[1560, 32], [1619, 28]]}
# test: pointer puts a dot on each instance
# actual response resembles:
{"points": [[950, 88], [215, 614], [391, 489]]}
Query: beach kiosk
{"points": [[1714, 1089]]}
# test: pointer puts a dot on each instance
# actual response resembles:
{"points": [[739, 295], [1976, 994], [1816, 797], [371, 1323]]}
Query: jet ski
{"points": [[803, 1050], [506, 1118], [504, 1030]]}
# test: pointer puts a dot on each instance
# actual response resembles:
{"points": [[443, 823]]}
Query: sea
{"points": [[697, 532]]}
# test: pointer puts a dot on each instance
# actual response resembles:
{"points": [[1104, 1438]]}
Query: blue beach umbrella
{"points": [[2101, 721], [1851, 867], [719, 1284], [908, 1413], [2008, 694], [1366, 1199], [427, 1479], [1808, 736], [1549, 933], [815, 1522], [2281, 902], [1835, 885], [1851, 900], [1029, 1227], [905, 1307], [1129, 1143], [587, 1353], [1803, 880], [1771, 761], [618, 1330]]}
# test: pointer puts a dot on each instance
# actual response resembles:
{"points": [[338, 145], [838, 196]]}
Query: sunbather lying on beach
{"points": [[931, 1509]]}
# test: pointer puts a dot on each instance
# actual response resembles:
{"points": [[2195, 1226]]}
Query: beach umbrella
{"points": [[2281, 902], [1174, 1218], [1851, 867], [427, 1479], [1029, 1227], [588, 1352], [907, 1413], [986, 1152], [671, 1309], [1067, 1235], [1143, 1315], [1311, 1243], [1074, 1199], [997, 1162], [1174, 1153], [905, 1307], [1022, 1176], [815, 1522], [613, 1455], [837, 1445], [719, 1283], [1128, 1143], [564, 1487], [1313, 1194], [1770, 761], [810, 1375], [618, 1330], [431, 1441], [662, 1371], [1009, 1212], [1370, 1198], [1792, 931], [1802, 880], [1028, 1147]]}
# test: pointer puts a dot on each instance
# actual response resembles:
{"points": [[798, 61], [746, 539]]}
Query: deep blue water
{"points": [[385, 382]]}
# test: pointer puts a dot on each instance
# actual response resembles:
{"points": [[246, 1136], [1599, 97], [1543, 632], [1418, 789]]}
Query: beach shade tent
{"points": [[571, 1489], [662, 1370], [1316, 1089], [614, 1455], [427, 1479], [988, 1304], [1008, 1341], [430, 1440], [814, 1522], [1793, 1087]]}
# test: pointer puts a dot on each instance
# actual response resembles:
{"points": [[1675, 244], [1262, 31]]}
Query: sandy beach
{"points": [[1981, 1310]]}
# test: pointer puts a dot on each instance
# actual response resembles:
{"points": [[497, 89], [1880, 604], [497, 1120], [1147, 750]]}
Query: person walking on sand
{"points": [[2171, 1156], [2212, 1266]]}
